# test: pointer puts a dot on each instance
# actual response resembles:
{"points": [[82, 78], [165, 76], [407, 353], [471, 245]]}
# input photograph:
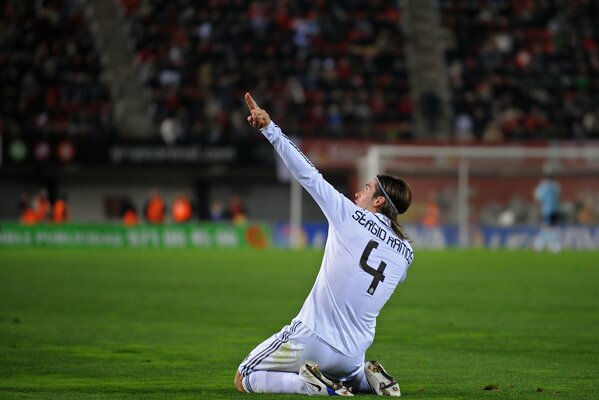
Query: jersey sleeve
{"points": [[334, 205]]}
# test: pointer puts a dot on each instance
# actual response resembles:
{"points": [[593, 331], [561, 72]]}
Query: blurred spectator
{"points": [[463, 127], [520, 210], [60, 210], [590, 124], [128, 213], [155, 208], [506, 217], [181, 209], [432, 211], [236, 210], [217, 211], [130, 217], [35, 210], [492, 134], [490, 213], [42, 206], [28, 216], [171, 130], [586, 213]]}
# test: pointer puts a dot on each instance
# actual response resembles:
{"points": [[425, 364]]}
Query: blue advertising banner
{"points": [[518, 237], [570, 237], [314, 235], [433, 238]]}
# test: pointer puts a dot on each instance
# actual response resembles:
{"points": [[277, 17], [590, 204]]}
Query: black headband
{"points": [[385, 194]]}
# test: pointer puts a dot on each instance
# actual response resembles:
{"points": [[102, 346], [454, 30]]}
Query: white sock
{"points": [[274, 382]]}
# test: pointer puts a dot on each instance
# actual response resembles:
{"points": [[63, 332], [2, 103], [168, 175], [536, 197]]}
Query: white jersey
{"points": [[364, 260]]}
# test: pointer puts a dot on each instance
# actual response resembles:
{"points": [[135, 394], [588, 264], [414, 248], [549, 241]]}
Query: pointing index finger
{"points": [[250, 102]]}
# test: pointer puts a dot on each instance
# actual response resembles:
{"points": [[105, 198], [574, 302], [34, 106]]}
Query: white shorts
{"points": [[296, 345]]}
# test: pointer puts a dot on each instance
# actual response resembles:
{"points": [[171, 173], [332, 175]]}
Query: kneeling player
{"points": [[367, 255]]}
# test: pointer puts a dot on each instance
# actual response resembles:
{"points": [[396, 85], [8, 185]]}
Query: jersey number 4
{"points": [[377, 274]]}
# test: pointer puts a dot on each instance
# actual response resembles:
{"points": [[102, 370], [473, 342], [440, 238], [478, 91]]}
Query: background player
{"points": [[367, 255], [547, 195]]}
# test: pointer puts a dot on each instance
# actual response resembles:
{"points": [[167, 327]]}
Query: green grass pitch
{"points": [[166, 324]]}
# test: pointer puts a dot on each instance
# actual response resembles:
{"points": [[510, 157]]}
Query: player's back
{"points": [[364, 261]]}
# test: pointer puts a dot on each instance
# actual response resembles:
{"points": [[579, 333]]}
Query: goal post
{"points": [[478, 176]]}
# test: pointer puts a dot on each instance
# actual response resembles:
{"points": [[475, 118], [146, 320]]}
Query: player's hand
{"points": [[258, 118]]}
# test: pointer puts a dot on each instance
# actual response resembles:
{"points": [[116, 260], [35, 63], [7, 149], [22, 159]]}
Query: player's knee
{"points": [[237, 382]]}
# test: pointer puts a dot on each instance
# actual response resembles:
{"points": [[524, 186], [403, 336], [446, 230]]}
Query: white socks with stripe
{"points": [[274, 382]]}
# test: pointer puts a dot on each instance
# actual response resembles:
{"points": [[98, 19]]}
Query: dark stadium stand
{"points": [[519, 72], [50, 72], [332, 69], [522, 70]]}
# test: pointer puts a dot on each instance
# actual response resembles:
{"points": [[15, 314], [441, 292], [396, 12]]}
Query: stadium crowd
{"points": [[522, 70], [517, 70], [333, 69], [37, 208], [50, 72]]}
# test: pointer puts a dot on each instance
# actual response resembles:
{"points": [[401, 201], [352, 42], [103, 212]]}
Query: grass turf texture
{"points": [[127, 324]]}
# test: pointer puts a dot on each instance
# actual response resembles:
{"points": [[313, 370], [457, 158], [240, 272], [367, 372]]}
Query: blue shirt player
{"points": [[547, 195]]}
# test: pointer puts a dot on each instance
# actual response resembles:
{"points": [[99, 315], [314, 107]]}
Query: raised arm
{"points": [[334, 205], [258, 118]]}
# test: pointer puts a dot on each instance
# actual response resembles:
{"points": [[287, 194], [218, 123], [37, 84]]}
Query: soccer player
{"points": [[547, 194], [367, 254]]}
